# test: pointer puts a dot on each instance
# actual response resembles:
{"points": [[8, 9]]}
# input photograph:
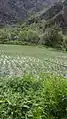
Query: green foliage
{"points": [[8, 35], [29, 36], [3, 36], [56, 97], [65, 42], [52, 38], [31, 98], [13, 35], [34, 34]]}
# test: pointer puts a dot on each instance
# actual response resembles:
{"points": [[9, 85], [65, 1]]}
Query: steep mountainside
{"points": [[55, 14], [14, 10]]}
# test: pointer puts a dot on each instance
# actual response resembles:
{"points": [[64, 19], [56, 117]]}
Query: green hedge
{"points": [[31, 98]]}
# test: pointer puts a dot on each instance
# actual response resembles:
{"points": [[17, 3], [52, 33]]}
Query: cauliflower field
{"points": [[19, 65], [33, 83]]}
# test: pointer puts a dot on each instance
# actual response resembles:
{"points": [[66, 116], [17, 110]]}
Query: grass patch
{"points": [[35, 51]]}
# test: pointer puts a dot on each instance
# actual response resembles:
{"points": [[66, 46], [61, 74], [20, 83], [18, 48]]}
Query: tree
{"points": [[29, 36], [52, 38]]}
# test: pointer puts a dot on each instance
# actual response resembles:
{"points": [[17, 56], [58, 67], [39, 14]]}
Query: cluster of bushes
{"points": [[25, 36], [51, 37], [31, 98], [29, 36]]}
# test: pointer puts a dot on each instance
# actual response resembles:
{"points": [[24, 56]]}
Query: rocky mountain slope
{"points": [[15, 10], [55, 14]]}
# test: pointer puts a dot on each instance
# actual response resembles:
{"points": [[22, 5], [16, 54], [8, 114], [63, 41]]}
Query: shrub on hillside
{"points": [[3, 36], [29, 36], [13, 35], [65, 42], [52, 38]]}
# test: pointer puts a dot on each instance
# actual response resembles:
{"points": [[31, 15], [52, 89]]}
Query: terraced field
{"points": [[18, 60]]}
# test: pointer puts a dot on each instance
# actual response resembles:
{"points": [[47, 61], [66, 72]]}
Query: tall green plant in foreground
{"points": [[31, 98]]}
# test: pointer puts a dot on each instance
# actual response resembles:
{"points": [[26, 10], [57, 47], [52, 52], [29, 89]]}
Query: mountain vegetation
{"points": [[46, 27]]}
